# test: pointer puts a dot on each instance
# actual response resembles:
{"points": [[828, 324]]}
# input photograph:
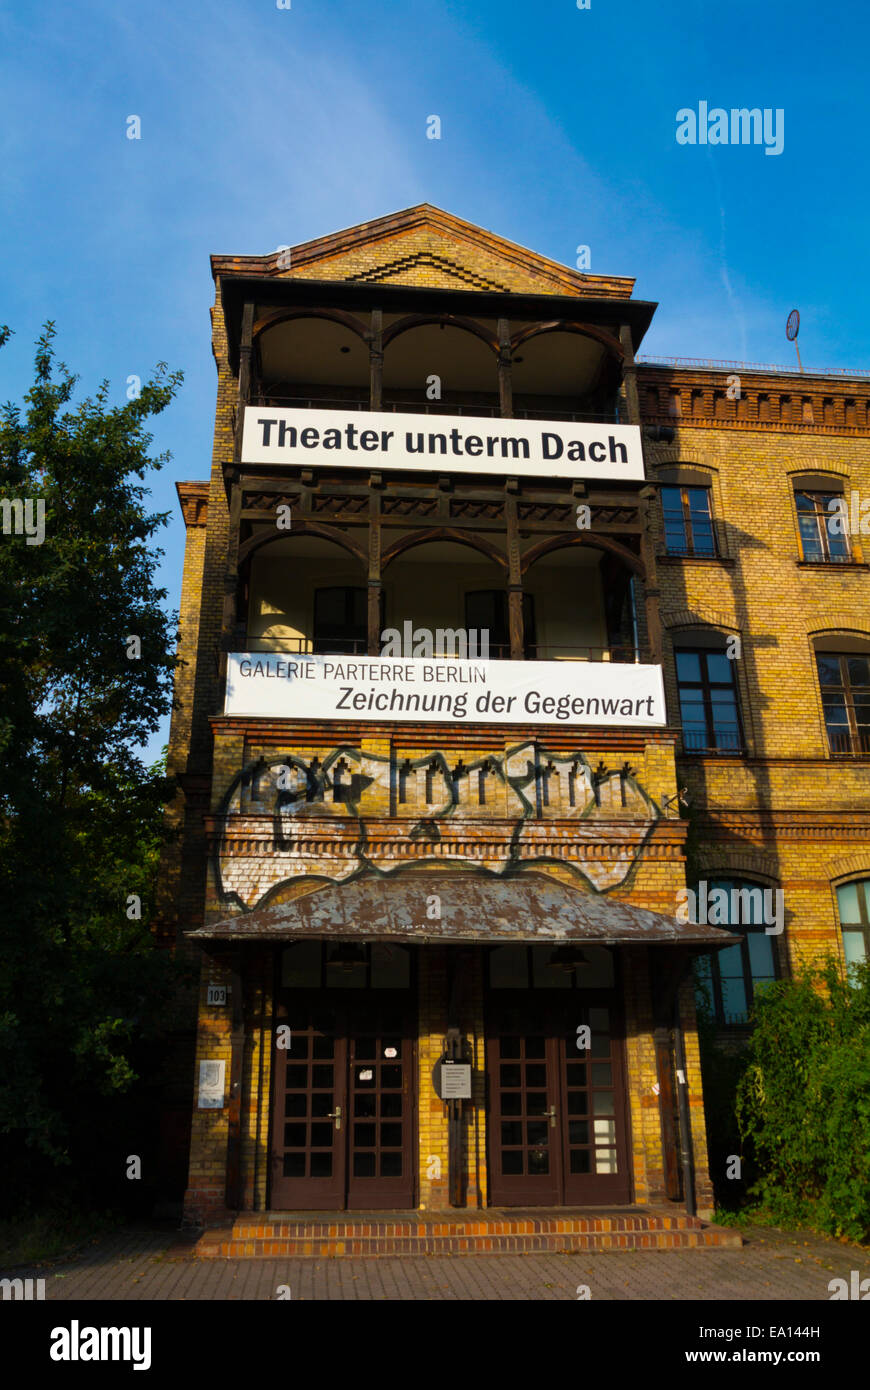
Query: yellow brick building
{"points": [[496, 638]]}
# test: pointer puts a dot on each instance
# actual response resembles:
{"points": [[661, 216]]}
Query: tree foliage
{"points": [[83, 995]]}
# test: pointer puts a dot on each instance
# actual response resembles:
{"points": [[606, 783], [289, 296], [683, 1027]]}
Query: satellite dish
{"points": [[793, 323]]}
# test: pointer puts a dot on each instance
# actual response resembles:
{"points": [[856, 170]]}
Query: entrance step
{"points": [[328, 1235]]}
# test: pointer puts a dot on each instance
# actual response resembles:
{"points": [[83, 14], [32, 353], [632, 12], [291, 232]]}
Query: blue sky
{"points": [[263, 127]]}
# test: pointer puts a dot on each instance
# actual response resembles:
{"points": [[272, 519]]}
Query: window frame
{"points": [[706, 686], [689, 548], [863, 923], [847, 690], [822, 516], [743, 929]]}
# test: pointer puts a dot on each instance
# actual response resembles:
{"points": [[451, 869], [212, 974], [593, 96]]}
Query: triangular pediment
{"points": [[426, 247]]}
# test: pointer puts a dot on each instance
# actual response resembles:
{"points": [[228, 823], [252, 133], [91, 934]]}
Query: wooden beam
{"points": [[376, 360], [505, 370]]}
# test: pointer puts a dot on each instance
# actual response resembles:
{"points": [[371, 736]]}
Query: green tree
{"points": [[83, 994]]}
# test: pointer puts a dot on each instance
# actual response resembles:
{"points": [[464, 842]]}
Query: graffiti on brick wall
{"points": [[288, 818]]}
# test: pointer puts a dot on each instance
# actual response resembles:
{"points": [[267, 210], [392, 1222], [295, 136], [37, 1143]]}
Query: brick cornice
{"points": [[193, 497]]}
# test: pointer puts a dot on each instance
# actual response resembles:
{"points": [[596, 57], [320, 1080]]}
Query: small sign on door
{"points": [[217, 994], [455, 1081]]}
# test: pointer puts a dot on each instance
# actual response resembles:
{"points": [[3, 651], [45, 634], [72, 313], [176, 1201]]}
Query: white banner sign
{"points": [[411, 689], [454, 443]]}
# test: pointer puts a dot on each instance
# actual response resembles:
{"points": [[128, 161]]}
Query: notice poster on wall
{"points": [[212, 1077], [415, 690]]}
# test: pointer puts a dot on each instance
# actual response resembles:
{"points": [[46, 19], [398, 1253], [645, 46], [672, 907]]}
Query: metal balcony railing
{"points": [[846, 742], [498, 651], [280, 397]]}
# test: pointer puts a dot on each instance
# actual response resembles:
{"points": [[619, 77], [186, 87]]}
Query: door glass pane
{"points": [[580, 1160], [539, 1162], [322, 1135], [605, 1161], [602, 1103], [602, 1074], [512, 1132], [391, 1165], [605, 1131], [364, 1164], [511, 1162], [321, 1164], [321, 1103]]}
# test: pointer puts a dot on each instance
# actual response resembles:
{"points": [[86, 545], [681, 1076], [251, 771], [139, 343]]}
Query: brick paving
{"points": [[141, 1264]]}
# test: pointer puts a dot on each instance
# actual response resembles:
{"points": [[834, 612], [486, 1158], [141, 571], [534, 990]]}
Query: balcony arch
{"points": [[596, 542], [331, 355], [442, 533], [270, 536], [581, 601], [460, 353], [305, 591]]}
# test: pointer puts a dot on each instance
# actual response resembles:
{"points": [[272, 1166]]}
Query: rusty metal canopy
{"points": [[479, 908]]}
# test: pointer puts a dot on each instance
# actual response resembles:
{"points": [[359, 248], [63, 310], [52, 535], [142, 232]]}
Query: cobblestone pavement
{"points": [[148, 1264]]}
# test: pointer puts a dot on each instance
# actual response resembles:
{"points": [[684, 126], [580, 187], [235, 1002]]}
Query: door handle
{"points": [[552, 1114], [335, 1115]]}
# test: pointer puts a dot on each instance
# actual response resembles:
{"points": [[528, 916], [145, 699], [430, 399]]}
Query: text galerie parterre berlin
{"points": [[294, 686]]}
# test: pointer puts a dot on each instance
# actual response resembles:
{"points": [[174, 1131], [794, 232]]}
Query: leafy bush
{"points": [[803, 1101]]}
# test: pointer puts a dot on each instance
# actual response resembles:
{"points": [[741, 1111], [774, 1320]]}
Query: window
{"points": [[541, 967], [688, 524], [822, 527], [731, 977], [346, 965], [708, 701], [340, 620], [853, 905], [486, 610], [844, 678]]}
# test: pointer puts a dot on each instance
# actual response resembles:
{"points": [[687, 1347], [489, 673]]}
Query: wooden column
{"points": [[234, 492], [376, 360], [652, 592], [373, 647], [515, 578], [505, 382], [237, 1066], [629, 375]]}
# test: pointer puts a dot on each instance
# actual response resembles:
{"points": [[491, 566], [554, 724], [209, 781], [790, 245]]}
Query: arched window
{"points": [[732, 976], [853, 906]]}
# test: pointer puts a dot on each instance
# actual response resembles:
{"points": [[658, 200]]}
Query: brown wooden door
{"points": [[593, 1125], [525, 1157], [309, 1115], [343, 1103], [380, 1138], [556, 1115]]}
